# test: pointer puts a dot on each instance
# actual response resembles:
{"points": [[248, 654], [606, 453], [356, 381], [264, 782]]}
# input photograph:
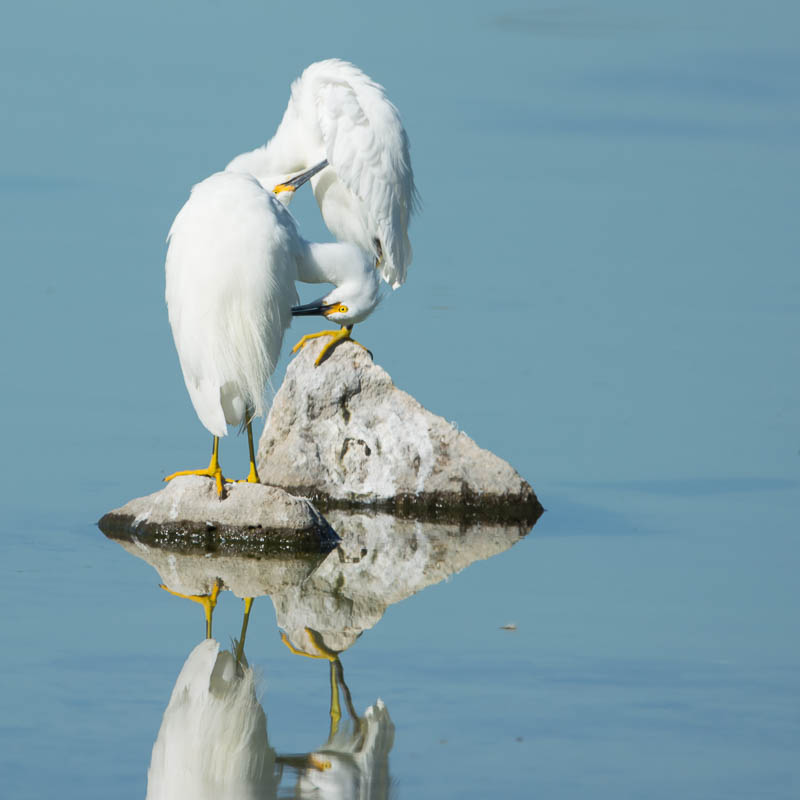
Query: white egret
{"points": [[339, 121], [234, 254]]}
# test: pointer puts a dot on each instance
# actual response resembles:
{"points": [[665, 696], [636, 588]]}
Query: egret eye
{"points": [[342, 309]]}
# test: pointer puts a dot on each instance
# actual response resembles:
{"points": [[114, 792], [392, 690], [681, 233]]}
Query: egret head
{"points": [[347, 304], [285, 188]]}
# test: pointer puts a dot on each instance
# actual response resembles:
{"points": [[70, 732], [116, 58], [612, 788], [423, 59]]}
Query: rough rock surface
{"points": [[188, 514], [343, 435]]}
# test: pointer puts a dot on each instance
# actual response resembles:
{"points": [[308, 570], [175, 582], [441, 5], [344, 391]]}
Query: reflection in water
{"points": [[380, 561], [329, 600], [207, 601], [354, 763], [213, 738]]}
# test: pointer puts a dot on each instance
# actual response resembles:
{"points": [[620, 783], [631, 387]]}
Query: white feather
{"points": [[213, 737], [234, 254], [231, 266], [367, 194]]}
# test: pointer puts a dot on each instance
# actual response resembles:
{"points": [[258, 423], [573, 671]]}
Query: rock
{"points": [[187, 514], [345, 436]]}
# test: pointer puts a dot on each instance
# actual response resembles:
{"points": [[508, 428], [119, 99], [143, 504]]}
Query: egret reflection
{"points": [[213, 741], [213, 737], [353, 763]]}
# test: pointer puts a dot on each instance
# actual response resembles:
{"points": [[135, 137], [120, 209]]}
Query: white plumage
{"points": [[366, 194], [213, 738], [358, 761], [234, 250], [231, 267], [234, 254]]}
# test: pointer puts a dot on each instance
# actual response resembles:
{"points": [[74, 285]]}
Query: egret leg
{"points": [[212, 471], [248, 604], [253, 476], [336, 337], [208, 601]]}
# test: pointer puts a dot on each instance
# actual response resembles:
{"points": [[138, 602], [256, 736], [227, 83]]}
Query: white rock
{"points": [[344, 435], [188, 513]]}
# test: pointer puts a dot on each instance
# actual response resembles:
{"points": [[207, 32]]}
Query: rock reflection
{"points": [[323, 602], [380, 561]]}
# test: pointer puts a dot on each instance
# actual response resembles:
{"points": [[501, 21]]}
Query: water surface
{"points": [[605, 293]]}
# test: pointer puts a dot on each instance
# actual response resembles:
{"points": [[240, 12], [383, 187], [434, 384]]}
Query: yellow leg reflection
{"points": [[336, 677], [212, 471], [348, 698], [304, 761], [336, 711], [248, 604], [322, 650], [336, 337], [208, 601]]}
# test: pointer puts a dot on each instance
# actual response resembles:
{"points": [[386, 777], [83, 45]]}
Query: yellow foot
{"points": [[213, 470], [207, 473], [336, 337], [208, 601], [252, 477]]}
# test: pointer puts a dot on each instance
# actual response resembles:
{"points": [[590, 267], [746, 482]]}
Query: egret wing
{"points": [[367, 146]]}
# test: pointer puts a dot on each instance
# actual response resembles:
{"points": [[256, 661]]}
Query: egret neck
{"points": [[356, 292]]}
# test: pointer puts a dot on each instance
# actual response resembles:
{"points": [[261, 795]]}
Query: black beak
{"points": [[298, 180], [311, 309]]}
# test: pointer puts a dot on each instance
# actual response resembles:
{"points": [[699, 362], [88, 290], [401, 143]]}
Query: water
{"points": [[604, 292]]}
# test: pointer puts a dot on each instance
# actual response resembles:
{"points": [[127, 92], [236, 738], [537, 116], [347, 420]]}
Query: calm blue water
{"points": [[605, 292]]}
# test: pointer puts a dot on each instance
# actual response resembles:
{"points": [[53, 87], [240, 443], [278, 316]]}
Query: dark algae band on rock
{"points": [[188, 536], [524, 508], [187, 515], [343, 435]]}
